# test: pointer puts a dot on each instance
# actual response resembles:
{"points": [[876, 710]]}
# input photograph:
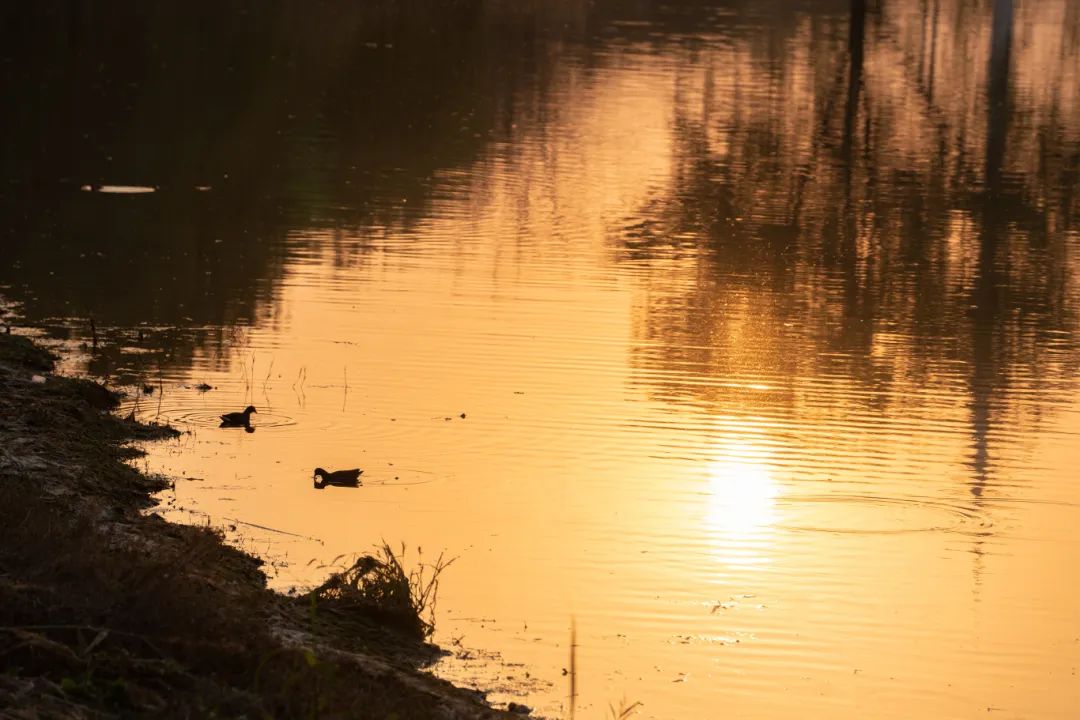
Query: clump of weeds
{"points": [[379, 587]]}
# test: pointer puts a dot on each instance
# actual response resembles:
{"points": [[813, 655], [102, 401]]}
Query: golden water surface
{"points": [[745, 336]]}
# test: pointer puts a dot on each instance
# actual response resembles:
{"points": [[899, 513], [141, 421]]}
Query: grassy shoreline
{"points": [[106, 611]]}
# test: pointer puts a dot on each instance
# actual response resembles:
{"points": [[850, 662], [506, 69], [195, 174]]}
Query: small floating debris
{"points": [[204, 387], [446, 417], [148, 389], [126, 189], [203, 188]]}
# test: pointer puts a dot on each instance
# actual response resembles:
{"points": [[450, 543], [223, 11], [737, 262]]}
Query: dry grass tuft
{"points": [[378, 586], [623, 711]]}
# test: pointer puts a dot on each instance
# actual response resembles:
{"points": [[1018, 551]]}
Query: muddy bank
{"points": [[107, 612]]}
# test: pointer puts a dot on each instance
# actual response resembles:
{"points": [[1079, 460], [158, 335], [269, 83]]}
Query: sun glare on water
{"points": [[741, 507]]}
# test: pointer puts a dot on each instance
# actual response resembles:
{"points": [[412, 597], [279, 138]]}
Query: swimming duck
{"points": [[238, 419], [341, 478]]}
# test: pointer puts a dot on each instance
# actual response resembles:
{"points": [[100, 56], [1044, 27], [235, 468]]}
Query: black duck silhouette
{"points": [[340, 478], [238, 419]]}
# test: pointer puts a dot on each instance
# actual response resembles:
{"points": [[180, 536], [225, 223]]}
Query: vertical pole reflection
{"points": [[848, 253], [997, 90], [856, 33], [931, 73], [986, 301]]}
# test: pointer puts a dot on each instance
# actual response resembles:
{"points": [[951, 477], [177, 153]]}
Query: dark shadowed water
{"points": [[745, 334]]}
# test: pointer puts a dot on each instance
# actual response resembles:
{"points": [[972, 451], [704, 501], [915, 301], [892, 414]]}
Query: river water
{"points": [[745, 336]]}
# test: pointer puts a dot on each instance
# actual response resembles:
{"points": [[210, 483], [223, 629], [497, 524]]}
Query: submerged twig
{"points": [[573, 666], [298, 386], [267, 528]]}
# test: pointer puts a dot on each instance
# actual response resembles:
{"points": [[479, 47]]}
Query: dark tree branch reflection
{"points": [[890, 227]]}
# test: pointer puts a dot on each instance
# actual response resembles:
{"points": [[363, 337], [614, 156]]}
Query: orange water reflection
{"points": [[764, 320], [741, 507]]}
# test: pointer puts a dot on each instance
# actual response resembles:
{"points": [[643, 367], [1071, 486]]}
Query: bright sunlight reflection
{"points": [[742, 503]]}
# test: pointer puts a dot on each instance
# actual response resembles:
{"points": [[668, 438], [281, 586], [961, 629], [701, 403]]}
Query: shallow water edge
{"points": [[109, 610]]}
